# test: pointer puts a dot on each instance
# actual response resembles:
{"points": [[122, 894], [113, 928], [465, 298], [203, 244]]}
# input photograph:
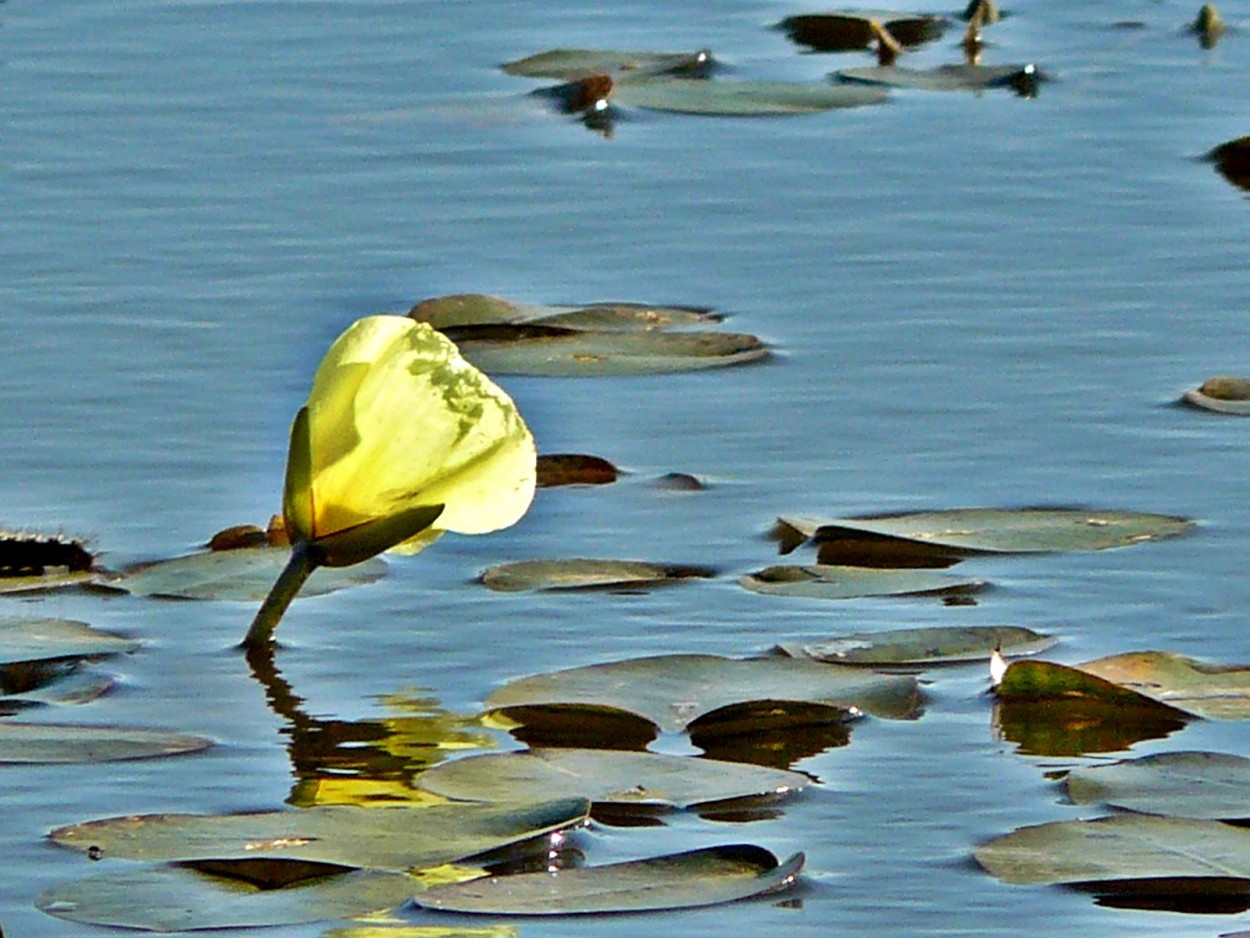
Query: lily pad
{"points": [[1130, 852], [913, 538], [244, 575], [55, 686], [843, 31], [180, 898], [581, 574], [823, 581], [1022, 79], [455, 315], [919, 647], [47, 743], [1232, 159], [46, 639], [675, 691], [676, 881], [1222, 394], [574, 469], [1202, 785], [605, 777], [393, 838], [571, 64], [741, 98], [1220, 692]]}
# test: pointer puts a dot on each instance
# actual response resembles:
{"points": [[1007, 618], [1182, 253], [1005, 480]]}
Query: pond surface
{"points": [[974, 300]]}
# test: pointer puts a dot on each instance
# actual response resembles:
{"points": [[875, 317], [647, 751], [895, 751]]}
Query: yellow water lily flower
{"points": [[401, 439]]}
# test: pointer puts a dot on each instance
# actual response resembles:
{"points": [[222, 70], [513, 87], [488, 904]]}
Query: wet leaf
{"points": [[1123, 850], [571, 64], [55, 685], [673, 691], [822, 581], [574, 469], [916, 647], [1023, 79], [48, 743], [1202, 785], [46, 639], [460, 312], [584, 573], [394, 838], [1232, 159], [680, 880], [1208, 26], [179, 898], [243, 575], [605, 776], [1222, 394], [1220, 692], [741, 98], [843, 31]]}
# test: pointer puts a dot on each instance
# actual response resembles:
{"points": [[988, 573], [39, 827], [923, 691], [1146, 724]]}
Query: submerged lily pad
{"points": [[741, 98], [1222, 394], [676, 881], [45, 639], [581, 574], [245, 575], [571, 64], [179, 898], [394, 838], [918, 647], [574, 469], [605, 776], [1203, 785], [674, 691], [822, 581], [1022, 79], [843, 31], [1131, 853], [48, 743]]}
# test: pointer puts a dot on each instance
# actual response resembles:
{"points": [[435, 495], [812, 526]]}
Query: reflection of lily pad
{"points": [[1203, 785], [574, 469], [916, 647], [1222, 394], [571, 64], [1130, 853], [673, 691], [58, 743], [245, 574], [46, 639], [1074, 726], [681, 880], [175, 898], [1021, 78], [396, 838], [741, 98], [582, 573], [844, 31], [822, 581], [604, 776]]}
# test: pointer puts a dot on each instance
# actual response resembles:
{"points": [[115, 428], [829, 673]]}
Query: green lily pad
{"points": [[919, 647], [179, 898], [741, 98], [47, 743], [1020, 78], [574, 469], [843, 31], [1202, 785], [823, 581], [676, 881], [581, 574], [46, 639], [243, 575], [393, 838], [571, 64], [914, 538], [1123, 851], [605, 777], [458, 313], [1220, 692], [1222, 394], [675, 691]]}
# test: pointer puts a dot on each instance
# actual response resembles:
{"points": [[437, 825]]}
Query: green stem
{"points": [[305, 558]]}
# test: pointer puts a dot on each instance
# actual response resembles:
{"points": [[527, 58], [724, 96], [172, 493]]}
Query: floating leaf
{"points": [[46, 639], [741, 98], [1208, 26], [1123, 852], [66, 686], [674, 691], [1202, 785], [395, 838], [571, 64], [587, 574], [915, 647], [1232, 159], [179, 898], [244, 575], [844, 31], [59, 743], [676, 881], [1220, 692], [1023, 79], [574, 469], [821, 581], [604, 776], [1223, 394], [455, 315]]}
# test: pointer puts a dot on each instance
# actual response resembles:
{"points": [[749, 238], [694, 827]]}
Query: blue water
{"points": [[974, 300]]}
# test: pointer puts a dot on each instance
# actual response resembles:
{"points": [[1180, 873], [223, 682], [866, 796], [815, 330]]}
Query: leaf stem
{"points": [[305, 558]]}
